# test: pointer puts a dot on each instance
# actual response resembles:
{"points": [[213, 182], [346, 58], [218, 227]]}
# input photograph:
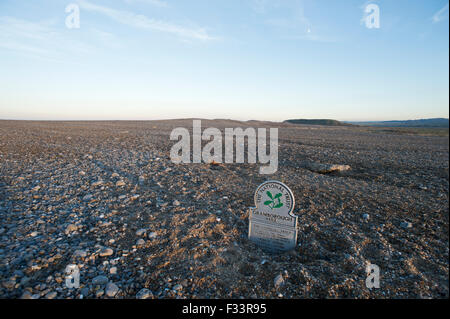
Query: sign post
{"points": [[272, 225]]}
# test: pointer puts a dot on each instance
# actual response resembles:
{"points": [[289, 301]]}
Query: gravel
{"points": [[87, 200]]}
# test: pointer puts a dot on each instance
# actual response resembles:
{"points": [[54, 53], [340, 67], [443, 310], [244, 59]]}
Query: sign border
{"points": [[290, 212]]}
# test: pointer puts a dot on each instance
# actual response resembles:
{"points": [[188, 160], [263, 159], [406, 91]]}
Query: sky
{"points": [[236, 59]]}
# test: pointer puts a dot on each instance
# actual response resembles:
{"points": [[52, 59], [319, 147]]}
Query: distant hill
{"points": [[434, 122], [317, 122]]}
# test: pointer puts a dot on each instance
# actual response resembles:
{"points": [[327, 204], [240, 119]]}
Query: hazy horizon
{"points": [[244, 60], [203, 118]]}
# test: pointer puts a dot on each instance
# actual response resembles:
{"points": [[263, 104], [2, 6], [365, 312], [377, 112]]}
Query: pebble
{"points": [[106, 252], [100, 280], [141, 232], [405, 225], [278, 281], [120, 183], [178, 287], [140, 242], [80, 253], [111, 289], [144, 294], [26, 295], [88, 197], [152, 235], [70, 228], [85, 291], [113, 270], [9, 284], [97, 183], [51, 295]]}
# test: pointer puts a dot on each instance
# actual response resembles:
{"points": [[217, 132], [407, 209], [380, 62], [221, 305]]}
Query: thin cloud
{"points": [[295, 25], [14, 46], [16, 28], [280, 23], [107, 38], [156, 3], [265, 6], [44, 40], [25, 37], [142, 22], [440, 15], [259, 6], [311, 37]]}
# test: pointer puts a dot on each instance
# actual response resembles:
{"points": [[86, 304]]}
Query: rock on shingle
{"points": [[141, 232], [144, 294], [111, 289], [100, 280], [326, 168], [80, 253], [88, 197], [120, 183], [70, 228], [278, 281], [405, 225], [106, 252], [51, 295], [140, 242]]}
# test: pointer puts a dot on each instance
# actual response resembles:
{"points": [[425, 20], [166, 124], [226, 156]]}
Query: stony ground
{"points": [[106, 197]]}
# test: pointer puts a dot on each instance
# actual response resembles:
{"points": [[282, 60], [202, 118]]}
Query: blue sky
{"points": [[246, 59]]}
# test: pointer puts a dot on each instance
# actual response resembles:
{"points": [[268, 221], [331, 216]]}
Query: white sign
{"points": [[272, 225]]}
